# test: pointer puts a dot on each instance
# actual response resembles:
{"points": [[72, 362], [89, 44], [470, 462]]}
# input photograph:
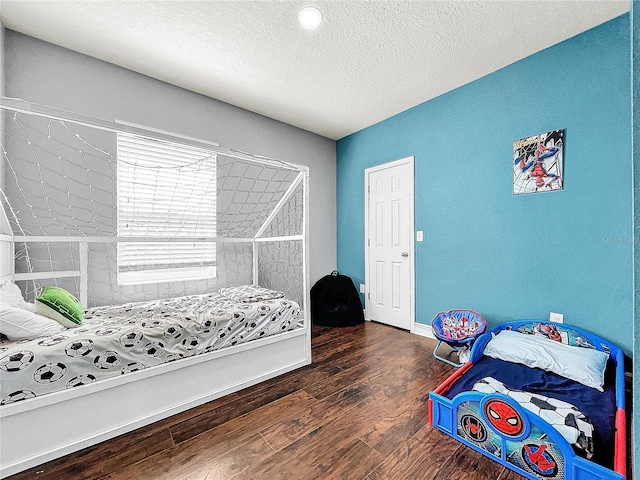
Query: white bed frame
{"points": [[44, 428]]}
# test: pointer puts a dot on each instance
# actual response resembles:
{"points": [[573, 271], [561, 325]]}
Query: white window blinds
{"points": [[165, 190]]}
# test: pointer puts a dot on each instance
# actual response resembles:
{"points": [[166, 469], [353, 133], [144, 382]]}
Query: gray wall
{"points": [[2, 91], [2, 33], [46, 74]]}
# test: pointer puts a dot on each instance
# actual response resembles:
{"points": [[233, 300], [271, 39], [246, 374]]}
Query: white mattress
{"points": [[119, 340]]}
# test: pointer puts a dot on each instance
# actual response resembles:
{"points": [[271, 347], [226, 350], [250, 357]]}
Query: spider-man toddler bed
{"points": [[544, 399]]}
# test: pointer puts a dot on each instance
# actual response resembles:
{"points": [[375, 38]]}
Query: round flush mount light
{"points": [[310, 18]]}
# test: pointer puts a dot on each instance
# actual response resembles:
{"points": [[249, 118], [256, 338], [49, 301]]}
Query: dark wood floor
{"points": [[358, 412]]}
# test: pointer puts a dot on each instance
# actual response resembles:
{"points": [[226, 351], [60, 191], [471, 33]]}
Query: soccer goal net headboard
{"points": [[116, 213]]}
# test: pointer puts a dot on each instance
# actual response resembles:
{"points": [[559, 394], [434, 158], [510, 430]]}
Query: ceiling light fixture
{"points": [[310, 18]]}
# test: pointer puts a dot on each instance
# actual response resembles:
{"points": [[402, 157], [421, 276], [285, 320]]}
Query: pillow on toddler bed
{"points": [[584, 365]]}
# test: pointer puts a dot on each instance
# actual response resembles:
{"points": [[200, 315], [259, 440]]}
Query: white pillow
{"points": [[584, 365], [11, 296], [20, 324]]}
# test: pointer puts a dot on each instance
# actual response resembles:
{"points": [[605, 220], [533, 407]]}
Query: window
{"points": [[165, 190]]}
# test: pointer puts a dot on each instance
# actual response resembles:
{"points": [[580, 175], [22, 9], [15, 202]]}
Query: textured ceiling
{"points": [[368, 61]]}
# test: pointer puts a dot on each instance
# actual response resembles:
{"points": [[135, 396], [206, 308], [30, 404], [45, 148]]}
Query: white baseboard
{"points": [[423, 330]]}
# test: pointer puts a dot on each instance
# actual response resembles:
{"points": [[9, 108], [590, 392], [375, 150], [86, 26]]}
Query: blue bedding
{"points": [[600, 407]]}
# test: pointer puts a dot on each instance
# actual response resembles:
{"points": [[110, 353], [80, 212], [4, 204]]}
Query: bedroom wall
{"points": [[509, 256], [46, 74], [5, 246], [2, 58], [635, 75], [2, 82]]}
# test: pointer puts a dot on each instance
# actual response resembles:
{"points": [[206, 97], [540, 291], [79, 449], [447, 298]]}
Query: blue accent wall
{"points": [[506, 256], [635, 48]]}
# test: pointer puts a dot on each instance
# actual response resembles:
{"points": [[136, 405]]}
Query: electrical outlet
{"points": [[362, 288], [419, 236], [556, 317]]}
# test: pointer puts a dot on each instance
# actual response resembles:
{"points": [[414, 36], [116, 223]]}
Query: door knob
{"points": [[404, 254]]}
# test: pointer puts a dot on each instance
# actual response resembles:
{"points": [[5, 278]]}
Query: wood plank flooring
{"points": [[359, 412]]}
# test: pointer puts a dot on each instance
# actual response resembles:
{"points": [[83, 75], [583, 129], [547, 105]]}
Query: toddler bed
{"points": [[544, 399]]}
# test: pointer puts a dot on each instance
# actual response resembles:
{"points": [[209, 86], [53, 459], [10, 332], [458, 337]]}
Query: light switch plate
{"points": [[419, 236]]}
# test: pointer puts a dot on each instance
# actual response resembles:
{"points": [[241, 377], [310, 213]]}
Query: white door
{"points": [[389, 265]]}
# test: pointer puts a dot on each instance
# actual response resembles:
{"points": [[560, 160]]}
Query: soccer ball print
{"points": [[250, 325], [285, 325], [84, 379], [173, 331], [173, 357], [79, 348], [207, 326], [224, 332], [51, 341], [107, 331], [50, 372], [131, 339], [153, 349], [16, 361], [191, 343], [107, 360], [153, 324], [17, 397], [132, 367]]}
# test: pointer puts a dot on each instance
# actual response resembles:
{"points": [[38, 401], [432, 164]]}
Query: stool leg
{"points": [[435, 354]]}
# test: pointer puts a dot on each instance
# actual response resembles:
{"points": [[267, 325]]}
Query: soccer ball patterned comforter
{"points": [[118, 340]]}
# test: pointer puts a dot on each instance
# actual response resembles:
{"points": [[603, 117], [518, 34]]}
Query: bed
{"points": [[177, 364], [122, 339], [544, 399], [154, 348]]}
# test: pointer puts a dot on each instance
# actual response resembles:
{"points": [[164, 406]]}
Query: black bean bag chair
{"points": [[335, 302]]}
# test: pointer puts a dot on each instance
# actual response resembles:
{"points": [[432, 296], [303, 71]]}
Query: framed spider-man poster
{"points": [[537, 163]]}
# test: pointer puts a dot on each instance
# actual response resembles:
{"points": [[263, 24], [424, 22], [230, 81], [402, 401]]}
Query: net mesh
{"points": [[286, 222], [60, 179], [278, 268]]}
